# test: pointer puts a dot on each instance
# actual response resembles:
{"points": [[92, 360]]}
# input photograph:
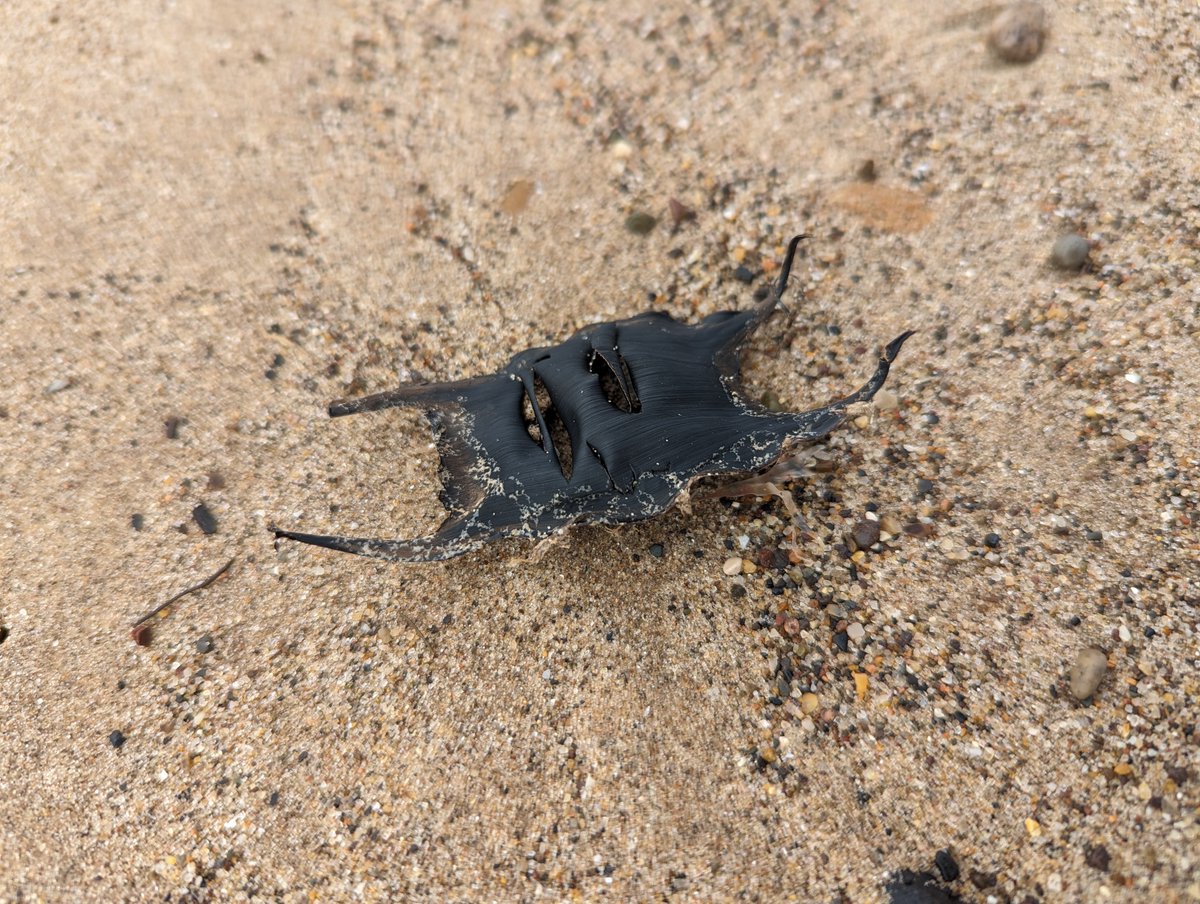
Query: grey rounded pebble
{"points": [[1018, 34], [865, 533], [204, 644], [640, 223], [117, 738], [1070, 251], [1087, 673]]}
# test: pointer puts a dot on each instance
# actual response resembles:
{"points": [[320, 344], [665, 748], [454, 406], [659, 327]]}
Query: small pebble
{"points": [[865, 533], [744, 274], [886, 400], [680, 212], [171, 427], [640, 223], [1086, 674], [1018, 34], [204, 519], [136, 521], [946, 865], [142, 634], [1097, 857], [204, 644], [991, 541], [58, 385], [656, 550], [856, 631], [891, 524], [1069, 252], [809, 703], [116, 739], [732, 566]]}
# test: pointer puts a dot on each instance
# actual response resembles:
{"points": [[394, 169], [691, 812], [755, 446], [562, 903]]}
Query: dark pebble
{"points": [[640, 223], [1094, 535], [1179, 774], [744, 274], [1074, 621], [1097, 857], [273, 800], [946, 865], [204, 519], [1069, 252], [656, 550], [3, 633], [924, 487], [171, 427], [680, 212], [204, 644], [991, 541], [841, 640], [142, 634], [136, 521], [865, 533], [216, 480], [737, 591], [116, 739]]}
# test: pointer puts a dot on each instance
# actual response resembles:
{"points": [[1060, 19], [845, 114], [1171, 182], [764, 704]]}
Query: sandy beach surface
{"points": [[218, 217]]}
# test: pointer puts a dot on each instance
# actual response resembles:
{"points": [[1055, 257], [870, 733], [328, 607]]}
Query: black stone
{"points": [[204, 519], [946, 865], [116, 739], [136, 521], [656, 550], [204, 644], [991, 541]]}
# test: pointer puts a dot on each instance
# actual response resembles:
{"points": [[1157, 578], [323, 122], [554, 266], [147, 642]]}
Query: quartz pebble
{"points": [[1086, 674], [1019, 32], [732, 566]]}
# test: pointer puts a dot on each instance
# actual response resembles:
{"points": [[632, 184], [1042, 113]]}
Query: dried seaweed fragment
{"points": [[612, 425]]}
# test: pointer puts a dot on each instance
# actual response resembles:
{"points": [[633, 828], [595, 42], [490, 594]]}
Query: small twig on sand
{"points": [[208, 580]]}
